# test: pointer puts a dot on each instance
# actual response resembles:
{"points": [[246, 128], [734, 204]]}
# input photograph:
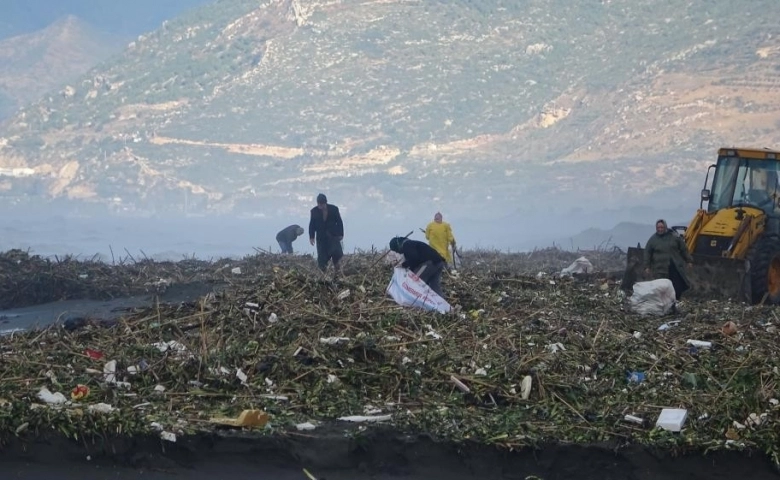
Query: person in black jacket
{"points": [[287, 236], [327, 226], [422, 259]]}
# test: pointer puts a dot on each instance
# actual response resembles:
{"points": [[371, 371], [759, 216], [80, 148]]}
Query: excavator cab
{"points": [[735, 238]]}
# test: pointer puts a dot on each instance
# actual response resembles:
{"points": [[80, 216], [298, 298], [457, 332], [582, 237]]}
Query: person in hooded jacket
{"points": [[287, 236], [666, 256], [422, 259]]}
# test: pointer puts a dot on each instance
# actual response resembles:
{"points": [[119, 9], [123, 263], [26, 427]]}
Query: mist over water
{"points": [[173, 237]]}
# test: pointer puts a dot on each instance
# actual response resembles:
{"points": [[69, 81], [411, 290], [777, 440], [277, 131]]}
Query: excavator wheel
{"points": [[764, 273]]}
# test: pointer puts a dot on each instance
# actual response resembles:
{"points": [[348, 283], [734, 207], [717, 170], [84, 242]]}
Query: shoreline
{"points": [[376, 452]]}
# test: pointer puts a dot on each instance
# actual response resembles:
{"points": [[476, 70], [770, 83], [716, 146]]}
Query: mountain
{"points": [[35, 63], [391, 106]]}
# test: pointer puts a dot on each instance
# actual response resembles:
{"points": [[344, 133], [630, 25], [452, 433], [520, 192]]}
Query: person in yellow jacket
{"points": [[440, 237]]}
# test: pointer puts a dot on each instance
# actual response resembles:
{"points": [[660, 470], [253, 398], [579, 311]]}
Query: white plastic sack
{"points": [[408, 290], [655, 297], [581, 265]]}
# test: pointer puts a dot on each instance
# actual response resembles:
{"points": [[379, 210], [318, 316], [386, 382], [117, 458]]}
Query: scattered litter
{"points": [[633, 419], [241, 376], [236, 271], [305, 426], [668, 325], [93, 354], [729, 329], [525, 387], [579, 266], [170, 345], [247, 418], [672, 419], [343, 294], [109, 372], [79, 392], [699, 343], [636, 377], [554, 347], [101, 408], [51, 398], [365, 418], [169, 436], [272, 318], [334, 340], [461, 386]]}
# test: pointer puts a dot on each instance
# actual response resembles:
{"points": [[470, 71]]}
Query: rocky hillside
{"points": [[255, 106], [33, 64]]}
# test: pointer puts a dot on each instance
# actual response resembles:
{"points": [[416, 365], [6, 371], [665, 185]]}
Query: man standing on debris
{"points": [[423, 260], [326, 223], [665, 256], [440, 237], [287, 236]]}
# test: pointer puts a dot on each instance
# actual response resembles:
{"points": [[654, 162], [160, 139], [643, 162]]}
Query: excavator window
{"points": [[746, 182]]}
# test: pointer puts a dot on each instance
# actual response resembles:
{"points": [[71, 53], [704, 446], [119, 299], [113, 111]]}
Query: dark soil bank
{"points": [[380, 455]]}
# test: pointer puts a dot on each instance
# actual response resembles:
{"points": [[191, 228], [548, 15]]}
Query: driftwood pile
{"points": [[522, 359]]}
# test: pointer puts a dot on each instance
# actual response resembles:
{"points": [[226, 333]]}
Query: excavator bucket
{"points": [[710, 277]]}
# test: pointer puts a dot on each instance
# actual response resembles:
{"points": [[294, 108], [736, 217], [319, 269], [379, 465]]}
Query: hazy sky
{"points": [[122, 18]]}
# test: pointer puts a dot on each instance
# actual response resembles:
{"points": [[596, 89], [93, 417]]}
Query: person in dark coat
{"points": [[422, 259], [287, 236], [666, 256], [328, 228]]}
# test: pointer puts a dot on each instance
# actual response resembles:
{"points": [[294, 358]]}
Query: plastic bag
{"points": [[408, 290], [656, 297], [581, 265]]}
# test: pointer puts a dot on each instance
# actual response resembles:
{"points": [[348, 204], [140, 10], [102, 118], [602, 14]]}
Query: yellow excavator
{"points": [[735, 239]]}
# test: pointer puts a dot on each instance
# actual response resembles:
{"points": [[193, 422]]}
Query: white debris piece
{"points": [[333, 340], [480, 372], [554, 347], [461, 386], [699, 343], [431, 332], [365, 418], [672, 419], [305, 426], [343, 294], [101, 408], [51, 398], [581, 265], [173, 345], [236, 271], [241, 376], [159, 389], [525, 387], [109, 372], [655, 297], [633, 419], [169, 436], [272, 318], [371, 410]]}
